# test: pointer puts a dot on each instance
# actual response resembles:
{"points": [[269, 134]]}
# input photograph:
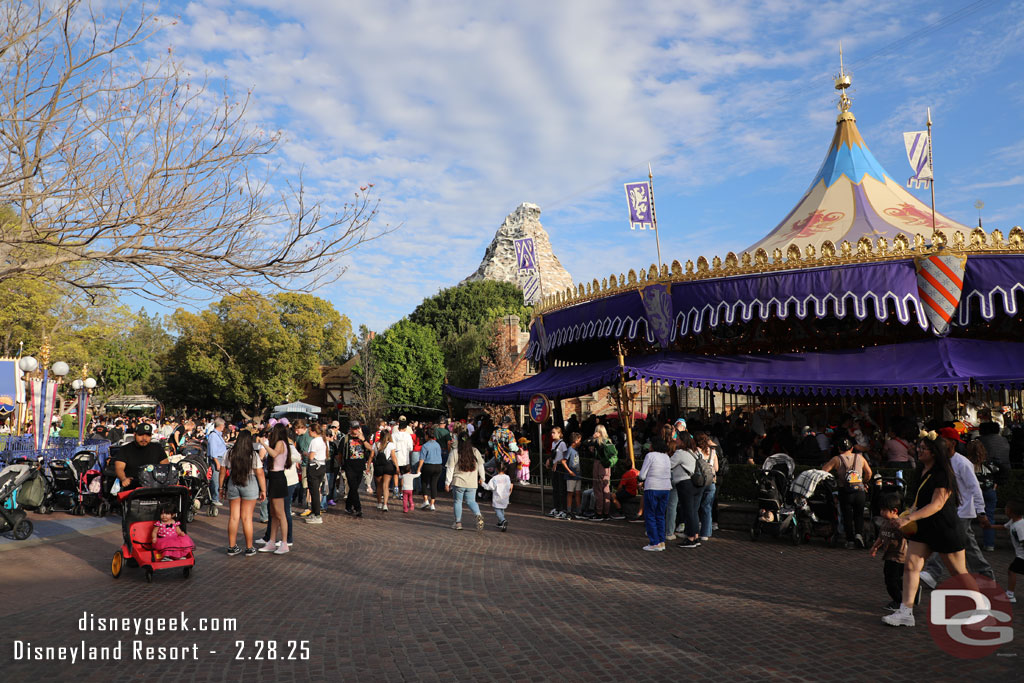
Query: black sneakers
{"points": [[234, 550], [689, 544]]}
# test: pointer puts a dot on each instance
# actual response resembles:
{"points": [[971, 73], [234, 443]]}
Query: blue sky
{"points": [[459, 111]]}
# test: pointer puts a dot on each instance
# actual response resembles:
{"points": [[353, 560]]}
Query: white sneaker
{"points": [[384, 508], [654, 548], [218, 503], [671, 537], [314, 519], [681, 528], [432, 507], [425, 506], [268, 548], [553, 512], [928, 580], [285, 549], [1011, 597], [380, 505], [260, 541], [901, 617]]}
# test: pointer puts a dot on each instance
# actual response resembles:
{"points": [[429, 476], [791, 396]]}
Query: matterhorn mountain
{"points": [[499, 261]]}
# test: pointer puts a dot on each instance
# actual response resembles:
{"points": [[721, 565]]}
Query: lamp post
{"points": [[59, 369], [84, 387]]}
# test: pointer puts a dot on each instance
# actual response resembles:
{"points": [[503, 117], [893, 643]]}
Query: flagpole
{"points": [[931, 163], [654, 218]]}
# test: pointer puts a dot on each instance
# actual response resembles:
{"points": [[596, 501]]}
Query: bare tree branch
{"points": [[125, 175]]}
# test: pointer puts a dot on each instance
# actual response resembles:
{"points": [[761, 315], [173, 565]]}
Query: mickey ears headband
{"points": [[930, 435]]}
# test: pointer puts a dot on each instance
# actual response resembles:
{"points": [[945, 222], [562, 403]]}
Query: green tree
{"points": [[248, 353], [463, 317], [451, 311], [410, 364]]}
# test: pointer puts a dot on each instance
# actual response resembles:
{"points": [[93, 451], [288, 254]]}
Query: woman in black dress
{"points": [[930, 524]]}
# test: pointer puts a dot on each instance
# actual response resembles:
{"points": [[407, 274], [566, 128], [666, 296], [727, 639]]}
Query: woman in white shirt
{"points": [[316, 471], [656, 476], [242, 483], [684, 462]]}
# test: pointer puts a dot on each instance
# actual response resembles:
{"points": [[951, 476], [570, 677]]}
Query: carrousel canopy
{"points": [[854, 291], [855, 263]]}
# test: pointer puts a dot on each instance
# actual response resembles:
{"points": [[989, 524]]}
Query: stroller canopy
{"points": [[780, 461]]}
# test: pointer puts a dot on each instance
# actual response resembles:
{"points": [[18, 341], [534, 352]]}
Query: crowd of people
{"points": [[263, 469]]}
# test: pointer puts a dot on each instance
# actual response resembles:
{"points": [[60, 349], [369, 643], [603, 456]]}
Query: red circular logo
{"points": [[969, 616], [539, 408]]}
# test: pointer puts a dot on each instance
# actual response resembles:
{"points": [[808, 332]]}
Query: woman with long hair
{"points": [[466, 472], [384, 468], [684, 464], [316, 471], [279, 451], [853, 472], [603, 450], [931, 524], [706, 450], [242, 483]]}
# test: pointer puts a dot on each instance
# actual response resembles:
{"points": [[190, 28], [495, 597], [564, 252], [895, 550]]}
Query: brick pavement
{"points": [[396, 597]]}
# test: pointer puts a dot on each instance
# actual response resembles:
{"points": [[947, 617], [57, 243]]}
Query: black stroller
{"points": [[13, 517], [195, 476], [815, 495], [775, 515]]}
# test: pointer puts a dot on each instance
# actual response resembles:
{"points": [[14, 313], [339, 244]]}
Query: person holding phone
{"points": [[355, 460]]}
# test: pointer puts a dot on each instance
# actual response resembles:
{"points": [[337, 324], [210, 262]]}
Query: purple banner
{"points": [[638, 196], [525, 256], [658, 308]]}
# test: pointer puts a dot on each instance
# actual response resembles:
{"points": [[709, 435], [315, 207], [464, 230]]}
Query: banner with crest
{"points": [[638, 196], [10, 377]]}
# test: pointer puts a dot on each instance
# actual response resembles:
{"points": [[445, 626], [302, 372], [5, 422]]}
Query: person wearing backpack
{"points": [[852, 470], [707, 453], [558, 453], [686, 475], [572, 473], [605, 457]]}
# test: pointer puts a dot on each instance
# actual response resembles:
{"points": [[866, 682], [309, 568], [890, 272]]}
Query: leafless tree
{"points": [[368, 397], [126, 175]]}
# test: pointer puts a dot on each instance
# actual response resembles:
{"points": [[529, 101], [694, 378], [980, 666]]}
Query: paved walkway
{"points": [[395, 597]]}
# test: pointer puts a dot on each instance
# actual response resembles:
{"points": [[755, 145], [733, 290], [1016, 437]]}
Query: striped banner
{"points": [[940, 283], [42, 418]]}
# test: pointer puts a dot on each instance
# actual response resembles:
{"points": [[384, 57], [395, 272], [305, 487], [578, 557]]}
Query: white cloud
{"points": [[459, 111]]}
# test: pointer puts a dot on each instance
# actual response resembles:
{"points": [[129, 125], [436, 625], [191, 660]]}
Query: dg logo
{"points": [[969, 616]]}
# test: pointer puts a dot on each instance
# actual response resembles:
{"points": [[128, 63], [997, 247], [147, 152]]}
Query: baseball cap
{"points": [[354, 424], [681, 423], [144, 428], [950, 433], [335, 423]]}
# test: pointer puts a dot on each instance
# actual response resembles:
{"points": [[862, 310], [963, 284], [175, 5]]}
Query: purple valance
{"points": [[881, 290], [930, 365]]}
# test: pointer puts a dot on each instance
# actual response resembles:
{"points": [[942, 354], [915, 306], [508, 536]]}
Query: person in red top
{"points": [[629, 487]]}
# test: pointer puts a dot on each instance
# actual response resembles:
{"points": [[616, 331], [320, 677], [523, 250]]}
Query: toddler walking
{"points": [[168, 539], [408, 504], [501, 487], [1014, 510], [894, 549], [523, 456]]}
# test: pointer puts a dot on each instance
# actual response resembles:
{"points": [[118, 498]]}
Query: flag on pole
{"points": [[529, 270], [919, 153], [638, 195], [42, 407]]}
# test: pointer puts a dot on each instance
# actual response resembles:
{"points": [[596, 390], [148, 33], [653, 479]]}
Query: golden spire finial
{"points": [[45, 353], [842, 82]]}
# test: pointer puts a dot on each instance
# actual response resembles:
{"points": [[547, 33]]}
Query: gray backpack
{"points": [[703, 474]]}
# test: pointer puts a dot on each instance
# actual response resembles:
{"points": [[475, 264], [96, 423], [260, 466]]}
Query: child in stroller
{"points": [[775, 515]]}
